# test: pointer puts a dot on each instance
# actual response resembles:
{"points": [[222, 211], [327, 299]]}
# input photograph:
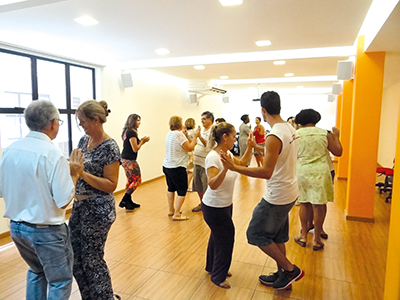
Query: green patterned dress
{"points": [[313, 173]]}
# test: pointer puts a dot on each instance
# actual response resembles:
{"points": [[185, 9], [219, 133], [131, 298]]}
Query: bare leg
{"points": [[278, 253], [259, 160], [190, 177], [178, 205], [171, 200], [324, 211], [319, 218], [306, 218], [198, 207]]}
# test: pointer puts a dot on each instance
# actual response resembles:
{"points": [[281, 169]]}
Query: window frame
{"points": [[35, 95]]}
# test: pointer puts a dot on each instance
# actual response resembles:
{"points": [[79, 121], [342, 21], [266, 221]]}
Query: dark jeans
{"points": [[220, 244]]}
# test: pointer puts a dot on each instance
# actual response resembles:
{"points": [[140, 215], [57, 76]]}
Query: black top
{"points": [[127, 151]]}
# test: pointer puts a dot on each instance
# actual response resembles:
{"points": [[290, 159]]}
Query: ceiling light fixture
{"points": [[199, 67], [224, 77], [230, 2], [299, 87], [263, 43], [5, 2], [279, 62], [86, 20], [162, 51], [288, 74]]}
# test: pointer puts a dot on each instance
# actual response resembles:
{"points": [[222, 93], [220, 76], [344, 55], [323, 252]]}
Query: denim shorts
{"points": [[269, 224]]}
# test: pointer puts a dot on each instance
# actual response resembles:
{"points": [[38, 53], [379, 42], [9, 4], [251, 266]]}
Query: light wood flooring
{"points": [[152, 257]]}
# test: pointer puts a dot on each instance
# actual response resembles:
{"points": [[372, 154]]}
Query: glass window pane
{"points": [[77, 131], [12, 128], [61, 139], [15, 81], [81, 86], [51, 82]]}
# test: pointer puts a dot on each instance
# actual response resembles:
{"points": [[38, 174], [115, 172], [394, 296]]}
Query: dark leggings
{"points": [[220, 244]]}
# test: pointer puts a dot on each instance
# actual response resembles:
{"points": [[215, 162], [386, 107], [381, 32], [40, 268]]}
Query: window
{"points": [[25, 78]]}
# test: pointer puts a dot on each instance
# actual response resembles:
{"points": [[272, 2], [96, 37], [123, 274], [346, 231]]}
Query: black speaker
{"points": [[127, 80]]}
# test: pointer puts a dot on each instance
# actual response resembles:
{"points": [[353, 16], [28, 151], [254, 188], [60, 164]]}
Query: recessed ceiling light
{"points": [[5, 2], [199, 67], [162, 51], [263, 43], [230, 2], [289, 74], [224, 77], [299, 87], [279, 62], [86, 20]]}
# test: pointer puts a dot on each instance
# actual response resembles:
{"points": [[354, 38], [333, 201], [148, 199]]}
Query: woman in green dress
{"points": [[314, 175]]}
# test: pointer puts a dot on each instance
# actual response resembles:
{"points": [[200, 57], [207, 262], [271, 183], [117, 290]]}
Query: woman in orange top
{"points": [[259, 134]]}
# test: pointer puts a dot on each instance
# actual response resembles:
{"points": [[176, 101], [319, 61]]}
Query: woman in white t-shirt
{"points": [[176, 159], [217, 202]]}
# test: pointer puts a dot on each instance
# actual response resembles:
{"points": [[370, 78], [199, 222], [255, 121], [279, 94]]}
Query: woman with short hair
{"points": [[314, 174], [176, 160]]}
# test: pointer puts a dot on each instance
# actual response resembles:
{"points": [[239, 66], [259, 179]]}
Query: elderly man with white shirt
{"points": [[36, 184]]}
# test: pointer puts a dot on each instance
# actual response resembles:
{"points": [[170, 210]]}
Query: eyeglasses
{"points": [[60, 122], [203, 119]]}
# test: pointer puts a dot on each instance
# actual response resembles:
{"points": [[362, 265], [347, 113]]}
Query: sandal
{"points": [[225, 285], [318, 246], [301, 241], [180, 218], [324, 235]]}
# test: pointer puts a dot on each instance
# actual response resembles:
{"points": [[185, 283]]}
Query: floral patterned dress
{"points": [[313, 172], [90, 222]]}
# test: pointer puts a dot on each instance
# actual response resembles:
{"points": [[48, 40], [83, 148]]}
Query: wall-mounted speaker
{"points": [[225, 99], [336, 88], [192, 98], [345, 70], [127, 80], [331, 98]]}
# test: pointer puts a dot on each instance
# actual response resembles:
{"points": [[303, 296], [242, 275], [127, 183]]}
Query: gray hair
{"points": [[39, 114]]}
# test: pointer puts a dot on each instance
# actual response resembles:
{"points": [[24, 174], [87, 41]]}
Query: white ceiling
{"points": [[130, 31]]}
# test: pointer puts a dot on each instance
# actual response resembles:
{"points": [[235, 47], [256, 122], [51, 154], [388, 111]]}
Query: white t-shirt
{"points": [[35, 181], [282, 187], [222, 196], [200, 151], [175, 155]]}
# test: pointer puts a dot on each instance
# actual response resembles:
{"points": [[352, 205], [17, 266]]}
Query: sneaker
{"points": [[286, 278], [268, 280], [197, 208]]}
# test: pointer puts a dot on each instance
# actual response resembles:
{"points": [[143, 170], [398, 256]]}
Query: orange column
{"points": [[345, 129], [392, 280], [364, 135]]}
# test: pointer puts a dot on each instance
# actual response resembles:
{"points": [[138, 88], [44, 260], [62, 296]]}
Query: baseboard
{"points": [[4, 234], [360, 219]]}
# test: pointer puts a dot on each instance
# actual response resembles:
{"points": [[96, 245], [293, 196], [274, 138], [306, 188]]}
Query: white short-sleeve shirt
{"points": [[223, 195]]}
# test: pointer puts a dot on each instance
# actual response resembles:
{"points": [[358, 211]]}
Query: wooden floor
{"points": [[152, 257]]}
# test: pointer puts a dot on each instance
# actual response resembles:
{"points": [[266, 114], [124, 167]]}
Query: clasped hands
{"points": [[228, 161], [76, 162]]}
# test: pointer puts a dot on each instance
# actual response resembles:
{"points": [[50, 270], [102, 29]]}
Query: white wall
{"points": [[388, 127], [155, 97], [241, 103]]}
